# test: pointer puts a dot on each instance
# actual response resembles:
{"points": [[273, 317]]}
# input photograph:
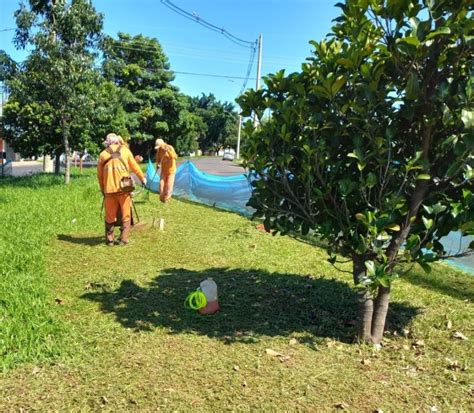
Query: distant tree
{"points": [[34, 126], [8, 66], [371, 146], [153, 106], [220, 119], [47, 95], [187, 132], [103, 115]]}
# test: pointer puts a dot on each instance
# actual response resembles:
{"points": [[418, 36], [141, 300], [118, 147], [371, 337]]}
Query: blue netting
{"points": [[233, 192], [226, 192], [454, 243]]}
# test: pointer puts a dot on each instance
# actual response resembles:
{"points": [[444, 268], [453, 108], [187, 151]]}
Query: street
{"points": [[209, 165], [216, 166]]}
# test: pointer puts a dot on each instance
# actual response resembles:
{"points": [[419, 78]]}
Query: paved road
{"points": [[26, 168], [217, 166], [210, 165]]}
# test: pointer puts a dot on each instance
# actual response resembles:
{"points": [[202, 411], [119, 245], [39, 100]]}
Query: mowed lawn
{"points": [[86, 327]]}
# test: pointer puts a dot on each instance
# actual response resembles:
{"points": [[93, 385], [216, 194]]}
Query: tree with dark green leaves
{"points": [[220, 119], [8, 66], [103, 114], [34, 125], [371, 146], [48, 95], [153, 106]]}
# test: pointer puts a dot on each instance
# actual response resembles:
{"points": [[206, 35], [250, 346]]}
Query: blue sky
{"points": [[286, 26]]}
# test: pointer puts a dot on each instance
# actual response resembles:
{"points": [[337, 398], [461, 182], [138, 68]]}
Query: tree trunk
{"points": [[380, 314], [372, 313], [67, 170], [67, 151], [366, 303], [57, 163]]}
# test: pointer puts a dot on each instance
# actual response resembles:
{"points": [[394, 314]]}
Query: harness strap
{"points": [[118, 151]]}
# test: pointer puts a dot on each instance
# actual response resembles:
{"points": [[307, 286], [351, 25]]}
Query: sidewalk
{"points": [[23, 168]]}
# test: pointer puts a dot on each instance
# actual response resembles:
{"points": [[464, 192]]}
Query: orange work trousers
{"points": [[166, 187], [115, 203]]}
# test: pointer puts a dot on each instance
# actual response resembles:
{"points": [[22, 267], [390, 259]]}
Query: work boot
{"points": [[124, 231], [109, 234]]}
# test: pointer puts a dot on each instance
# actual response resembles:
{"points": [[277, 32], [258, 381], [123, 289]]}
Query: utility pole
{"points": [[259, 70], [239, 128], [259, 61], [257, 86]]}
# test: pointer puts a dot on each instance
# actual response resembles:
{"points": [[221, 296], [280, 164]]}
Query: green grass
{"points": [[88, 327]]}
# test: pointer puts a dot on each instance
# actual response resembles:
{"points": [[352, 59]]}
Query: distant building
{"points": [[5, 147]]}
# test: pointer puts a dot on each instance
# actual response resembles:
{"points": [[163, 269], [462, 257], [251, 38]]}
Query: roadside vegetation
{"points": [[85, 326]]}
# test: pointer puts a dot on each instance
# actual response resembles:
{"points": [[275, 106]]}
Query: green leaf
{"points": [[371, 180], [394, 227], [441, 31], [428, 209], [467, 226], [370, 267], [438, 208], [336, 86], [468, 173], [467, 117], [413, 241], [320, 91], [447, 115], [345, 62], [413, 86], [423, 177], [307, 149], [412, 40], [414, 22], [427, 222], [454, 168], [384, 281]]}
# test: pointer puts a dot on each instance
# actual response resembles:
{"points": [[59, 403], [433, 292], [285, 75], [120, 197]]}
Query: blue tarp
{"points": [[233, 192], [454, 243], [226, 192]]}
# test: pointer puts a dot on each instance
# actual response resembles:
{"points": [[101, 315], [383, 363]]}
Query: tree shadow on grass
{"points": [[457, 286], [253, 303], [91, 241]]}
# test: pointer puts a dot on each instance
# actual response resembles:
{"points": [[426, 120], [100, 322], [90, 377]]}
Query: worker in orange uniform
{"points": [[166, 159], [113, 168]]}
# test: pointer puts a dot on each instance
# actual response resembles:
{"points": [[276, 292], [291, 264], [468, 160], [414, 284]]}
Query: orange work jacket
{"points": [[111, 171], [166, 157]]}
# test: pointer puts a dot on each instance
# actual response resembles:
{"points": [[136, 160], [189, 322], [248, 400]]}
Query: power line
{"points": [[249, 69], [179, 52], [241, 42], [246, 78], [197, 74], [195, 18], [212, 75], [230, 36]]}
